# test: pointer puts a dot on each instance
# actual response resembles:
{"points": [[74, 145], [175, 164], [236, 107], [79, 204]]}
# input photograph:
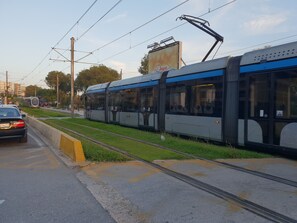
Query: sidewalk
{"points": [[134, 192]]}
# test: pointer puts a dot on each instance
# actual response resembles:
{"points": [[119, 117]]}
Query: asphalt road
{"points": [[35, 186]]}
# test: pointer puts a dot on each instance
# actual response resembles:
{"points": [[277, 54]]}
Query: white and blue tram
{"points": [[32, 102], [249, 100]]}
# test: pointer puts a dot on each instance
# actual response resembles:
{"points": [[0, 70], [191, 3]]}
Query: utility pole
{"points": [[72, 68], [72, 77], [57, 90], [6, 89]]}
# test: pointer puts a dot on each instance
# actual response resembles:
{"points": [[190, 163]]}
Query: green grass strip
{"points": [[43, 113], [138, 149], [92, 151], [200, 149], [205, 150]]}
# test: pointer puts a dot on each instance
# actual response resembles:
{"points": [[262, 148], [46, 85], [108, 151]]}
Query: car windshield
{"points": [[9, 112]]}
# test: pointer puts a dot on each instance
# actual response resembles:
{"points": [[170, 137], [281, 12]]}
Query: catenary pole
{"points": [[57, 90], [72, 77]]}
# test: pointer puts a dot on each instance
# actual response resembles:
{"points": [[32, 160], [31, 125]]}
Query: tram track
{"points": [[259, 210], [191, 156]]}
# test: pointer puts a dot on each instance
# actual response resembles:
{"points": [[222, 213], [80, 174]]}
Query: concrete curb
{"points": [[67, 144]]}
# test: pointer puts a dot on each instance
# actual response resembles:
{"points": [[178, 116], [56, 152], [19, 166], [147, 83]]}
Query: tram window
{"points": [[92, 101], [176, 100], [242, 97], [97, 101], [259, 96], [286, 95], [203, 99], [147, 100], [115, 101], [130, 100], [206, 98]]}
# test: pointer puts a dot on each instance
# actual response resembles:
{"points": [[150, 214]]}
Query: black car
{"points": [[12, 124]]}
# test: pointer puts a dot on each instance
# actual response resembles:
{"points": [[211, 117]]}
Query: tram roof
{"points": [[136, 80], [270, 54], [97, 87], [215, 64]]}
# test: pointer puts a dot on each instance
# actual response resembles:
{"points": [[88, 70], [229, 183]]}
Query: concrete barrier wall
{"points": [[69, 145], [72, 147]]}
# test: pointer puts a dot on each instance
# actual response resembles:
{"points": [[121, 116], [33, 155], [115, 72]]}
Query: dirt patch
{"points": [[111, 169]]}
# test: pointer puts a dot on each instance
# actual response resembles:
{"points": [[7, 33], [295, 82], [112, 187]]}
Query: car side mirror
{"points": [[24, 115]]}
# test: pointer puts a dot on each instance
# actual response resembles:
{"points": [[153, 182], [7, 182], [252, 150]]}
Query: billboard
{"points": [[165, 58]]}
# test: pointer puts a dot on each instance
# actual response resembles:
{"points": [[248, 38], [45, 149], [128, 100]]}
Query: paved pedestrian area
{"points": [[144, 194]]}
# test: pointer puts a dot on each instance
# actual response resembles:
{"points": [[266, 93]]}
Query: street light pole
{"points": [[72, 77]]}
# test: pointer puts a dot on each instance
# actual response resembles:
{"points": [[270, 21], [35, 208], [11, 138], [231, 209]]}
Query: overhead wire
{"points": [[76, 22], [135, 29], [99, 20], [260, 44], [43, 59], [86, 30], [62, 54], [169, 30]]}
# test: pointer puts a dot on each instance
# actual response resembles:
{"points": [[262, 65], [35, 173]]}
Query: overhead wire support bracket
{"points": [[202, 24], [61, 54]]}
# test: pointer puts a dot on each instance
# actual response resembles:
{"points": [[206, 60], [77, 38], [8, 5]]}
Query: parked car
{"points": [[12, 124]]}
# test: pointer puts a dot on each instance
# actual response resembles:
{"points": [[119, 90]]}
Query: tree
{"points": [[64, 80], [143, 69], [32, 90], [47, 95], [95, 75]]}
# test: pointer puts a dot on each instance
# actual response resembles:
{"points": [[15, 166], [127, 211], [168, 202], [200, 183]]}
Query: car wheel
{"points": [[23, 139]]}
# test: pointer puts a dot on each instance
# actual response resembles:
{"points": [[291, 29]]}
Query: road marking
{"points": [[34, 150], [1, 201], [34, 156], [39, 142]]}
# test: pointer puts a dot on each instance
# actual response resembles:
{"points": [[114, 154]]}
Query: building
{"points": [[13, 88]]}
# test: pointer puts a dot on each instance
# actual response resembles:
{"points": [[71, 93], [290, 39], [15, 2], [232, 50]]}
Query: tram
{"points": [[248, 100], [31, 102]]}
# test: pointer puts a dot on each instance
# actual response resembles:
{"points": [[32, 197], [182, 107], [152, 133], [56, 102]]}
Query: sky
{"points": [[119, 40]]}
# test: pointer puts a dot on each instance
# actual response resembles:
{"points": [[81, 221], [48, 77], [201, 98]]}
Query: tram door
{"points": [[259, 110], [272, 105], [146, 116], [114, 107]]}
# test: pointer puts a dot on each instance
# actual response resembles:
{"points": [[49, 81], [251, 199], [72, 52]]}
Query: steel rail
{"points": [[243, 203], [227, 165]]}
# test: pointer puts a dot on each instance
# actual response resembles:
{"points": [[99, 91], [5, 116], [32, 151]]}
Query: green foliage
{"points": [[201, 149], [32, 90], [143, 69], [97, 130], [138, 149], [64, 80], [48, 95], [95, 75], [41, 113], [94, 152]]}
